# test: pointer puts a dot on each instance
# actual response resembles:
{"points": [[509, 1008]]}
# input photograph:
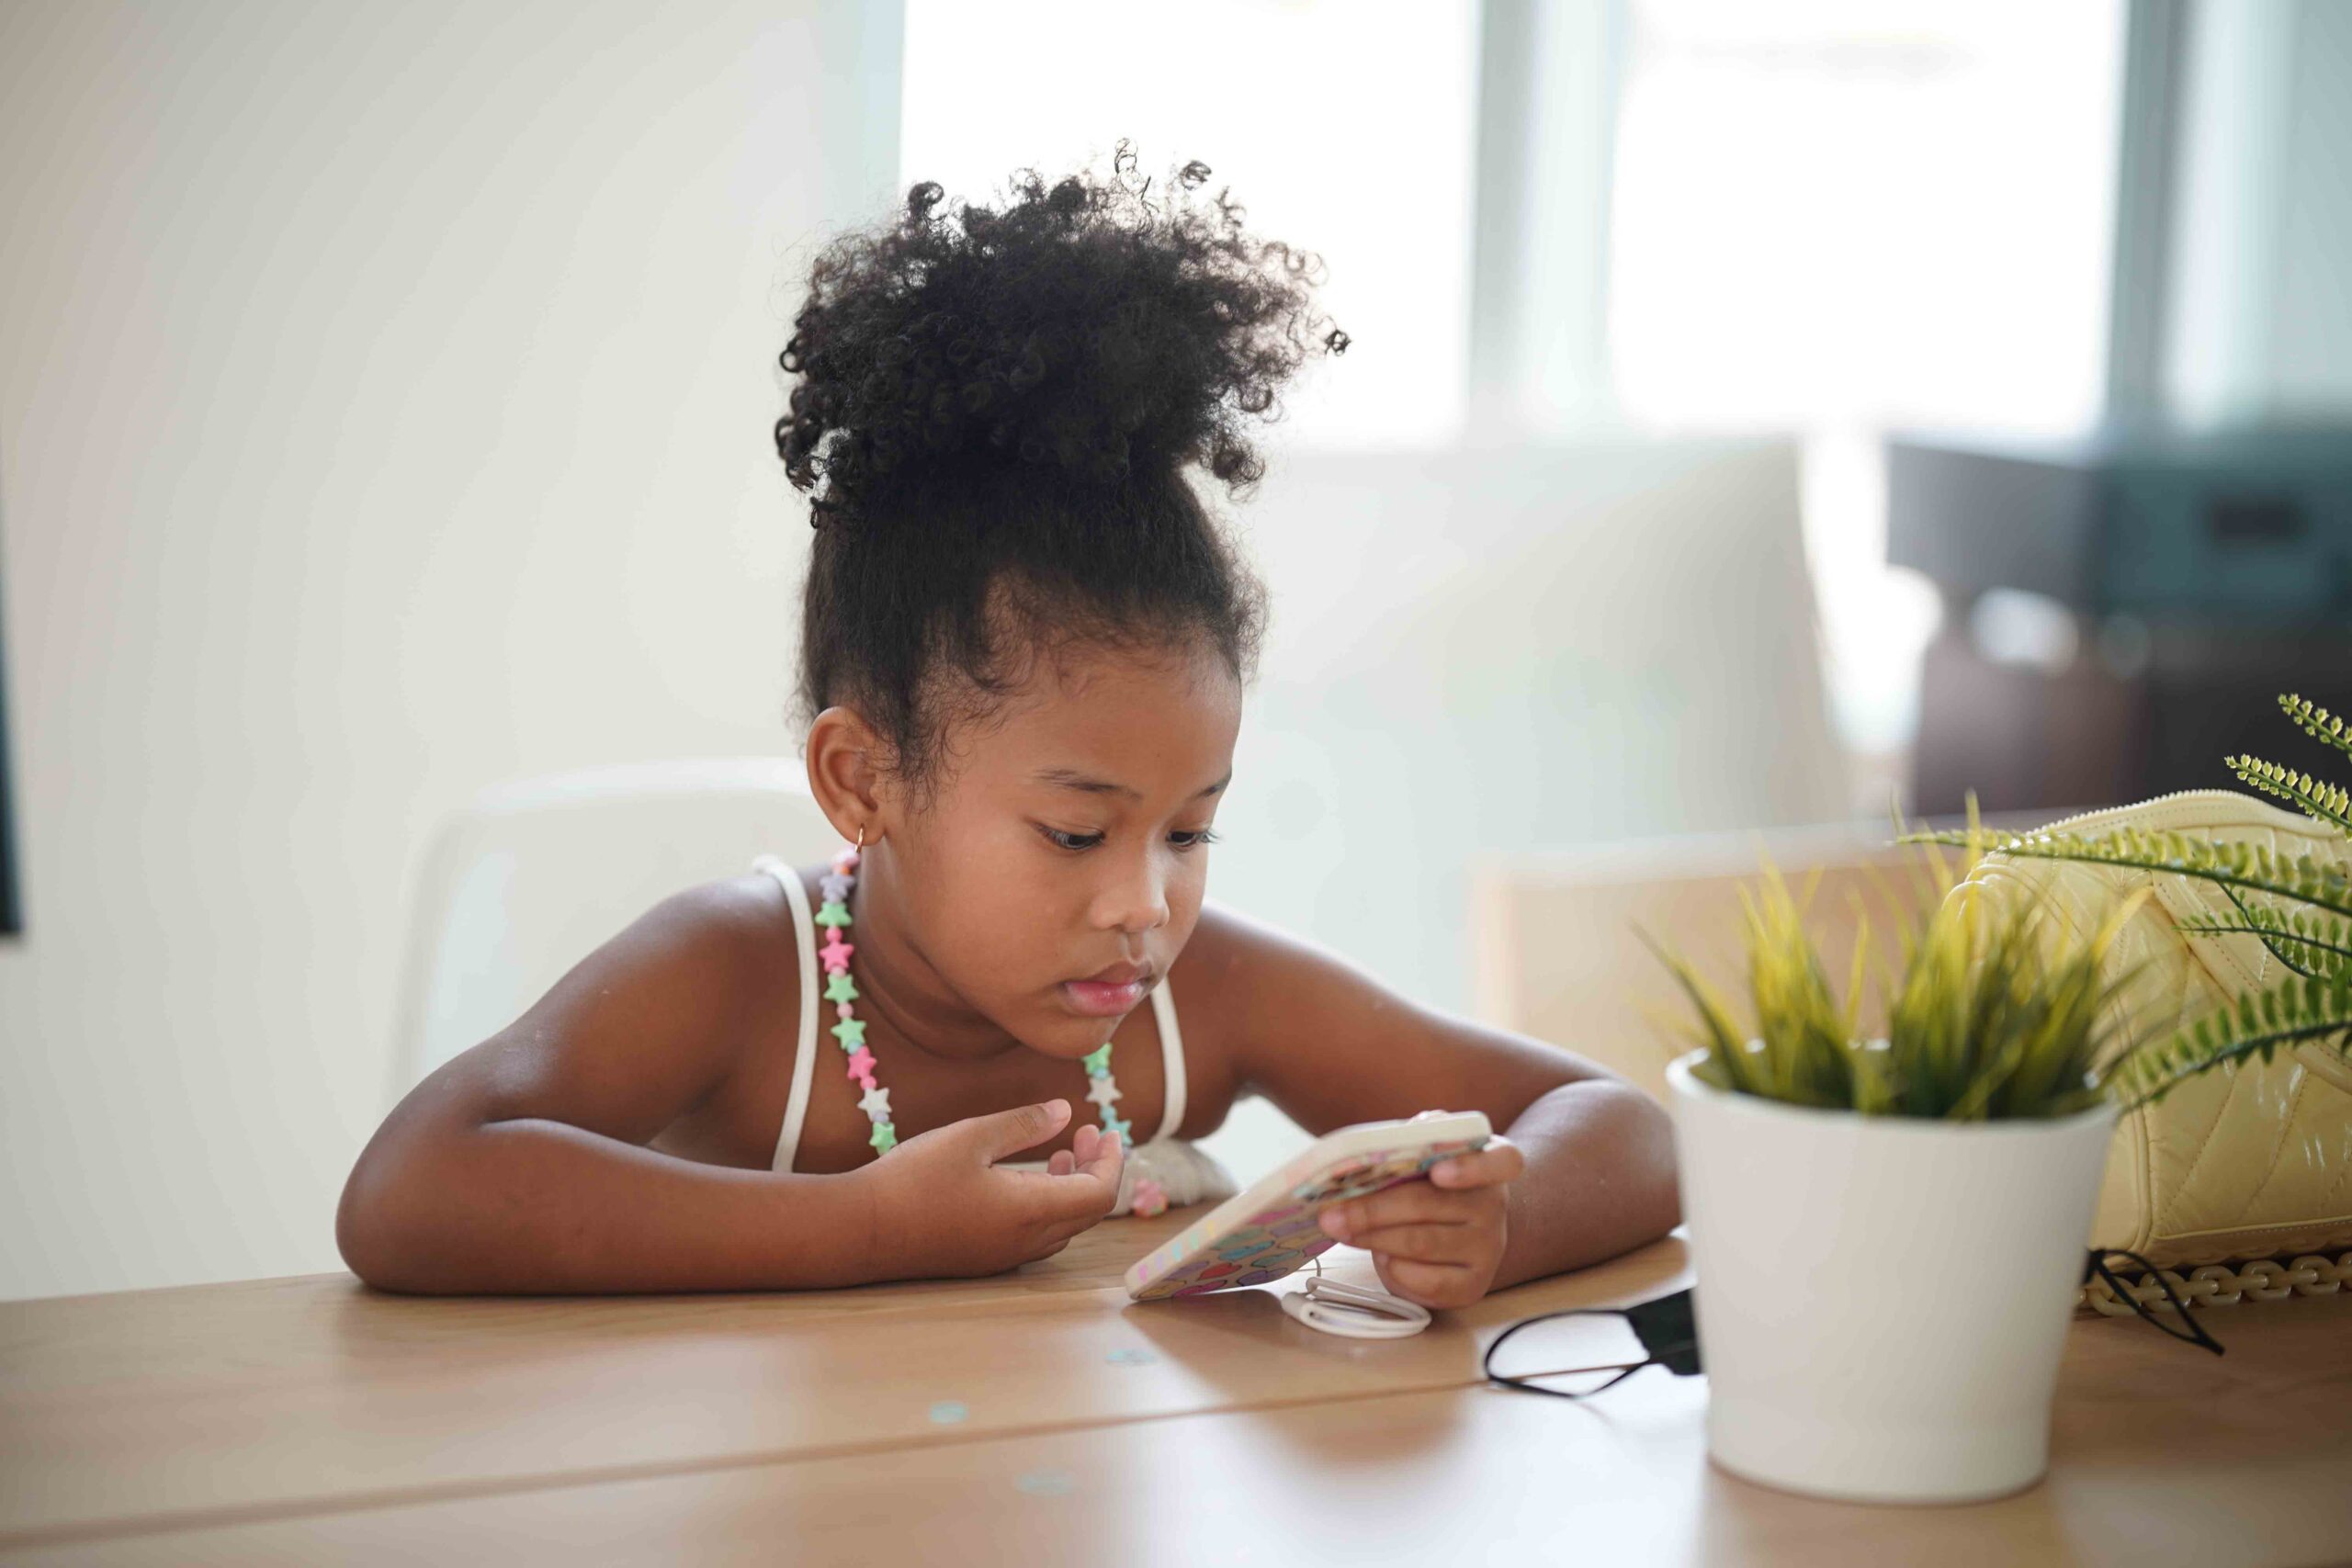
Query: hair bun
{"points": [[1092, 329]]}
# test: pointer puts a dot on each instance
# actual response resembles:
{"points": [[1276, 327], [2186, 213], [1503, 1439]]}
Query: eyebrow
{"points": [[1070, 778]]}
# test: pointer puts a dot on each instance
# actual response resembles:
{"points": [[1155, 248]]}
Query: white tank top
{"points": [[1186, 1173]]}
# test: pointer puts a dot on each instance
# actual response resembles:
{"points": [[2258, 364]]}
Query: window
{"points": [[1839, 216], [1343, 127], [1833, 211]]}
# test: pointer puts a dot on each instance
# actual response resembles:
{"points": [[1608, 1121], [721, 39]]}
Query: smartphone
{"points": [[1270, 1228]]}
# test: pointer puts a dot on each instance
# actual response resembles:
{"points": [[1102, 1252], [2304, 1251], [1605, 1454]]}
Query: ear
{"points": [[846, 773]]}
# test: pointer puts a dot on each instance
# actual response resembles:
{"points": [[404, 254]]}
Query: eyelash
{"points": [[1201, 838]]}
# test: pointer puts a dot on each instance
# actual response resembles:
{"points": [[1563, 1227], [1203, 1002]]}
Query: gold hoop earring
{"points": [[861, 836]]}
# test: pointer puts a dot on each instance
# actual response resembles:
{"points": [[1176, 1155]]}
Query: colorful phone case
{"points": [[1270, 1229]]}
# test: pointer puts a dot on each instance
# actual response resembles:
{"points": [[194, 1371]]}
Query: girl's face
{"points": [[1069, 838]]}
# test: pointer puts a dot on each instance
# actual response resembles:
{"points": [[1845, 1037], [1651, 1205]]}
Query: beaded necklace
{"points": [[842, 991]]}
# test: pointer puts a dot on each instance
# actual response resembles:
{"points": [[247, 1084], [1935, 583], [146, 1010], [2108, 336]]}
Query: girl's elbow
{"points": [[369, 1248], [1665, 1178], [376, 1229], [1645, 1153]]}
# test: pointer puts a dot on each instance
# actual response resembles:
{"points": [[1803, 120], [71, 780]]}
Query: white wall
{"points": [[385, 406]]}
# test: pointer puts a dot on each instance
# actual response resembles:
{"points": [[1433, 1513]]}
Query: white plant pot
{"points": [[1882, 1301]]}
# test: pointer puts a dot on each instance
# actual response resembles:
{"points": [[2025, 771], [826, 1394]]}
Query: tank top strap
{"points": [[1172, 1054], [803, 1059]]}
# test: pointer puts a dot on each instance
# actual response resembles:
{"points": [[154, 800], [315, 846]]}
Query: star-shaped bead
{"points": [[835, 953], [841, 989], [1112, 1124], [1098, 1062], [834, 914], [885, 1135], [851, 1032], [877, 1104], [834, 887], [1103, 1092]]}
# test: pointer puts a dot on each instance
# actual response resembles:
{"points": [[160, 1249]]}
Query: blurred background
{"points": [[1757, 415]]}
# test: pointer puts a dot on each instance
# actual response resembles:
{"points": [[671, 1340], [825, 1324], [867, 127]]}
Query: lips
{"points": [[1099, 998]]}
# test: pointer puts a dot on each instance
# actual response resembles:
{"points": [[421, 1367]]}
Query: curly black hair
{"points": [[996, 412]]}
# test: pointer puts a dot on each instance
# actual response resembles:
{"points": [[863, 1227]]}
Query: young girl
{"points": [[1024, 643]]}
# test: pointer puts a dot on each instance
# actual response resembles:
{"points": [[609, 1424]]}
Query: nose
{"points": [[1135, 900]]}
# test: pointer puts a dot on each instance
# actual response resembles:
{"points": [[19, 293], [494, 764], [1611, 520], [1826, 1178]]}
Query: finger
{"points": [[1426, 1284], [1110, 1153], [1007, 1133], [1107, 1161], [1058, 1233], [1086, 1193], [1063, 1229], [1426, 1243], [1502, 1160], [1082, 1142], [1408, 1202], [1061, 1162]]}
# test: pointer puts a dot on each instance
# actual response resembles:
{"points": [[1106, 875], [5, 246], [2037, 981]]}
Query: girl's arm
{"points": [[1331, 1047], [520, 1166]]}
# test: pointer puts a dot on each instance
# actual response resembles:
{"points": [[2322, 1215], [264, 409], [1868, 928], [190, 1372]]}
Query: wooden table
{"points": [[1041, 1416]]}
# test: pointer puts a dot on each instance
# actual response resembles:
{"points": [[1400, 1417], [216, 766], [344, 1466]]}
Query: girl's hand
{"points": [[1437, 1241], [944, 1209]]}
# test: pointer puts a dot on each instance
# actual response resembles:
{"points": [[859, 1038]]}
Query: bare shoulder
{"points": [[729, 928], [748, 909], [1246, 963], [677, 983], [1332, 1045], [745, 926], [1240, 983], [652, 1023]]}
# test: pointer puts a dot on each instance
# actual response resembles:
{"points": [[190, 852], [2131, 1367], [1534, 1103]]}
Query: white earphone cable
{"points": [[1354, 1312]]}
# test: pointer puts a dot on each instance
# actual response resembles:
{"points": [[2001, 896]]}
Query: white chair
{"points": [[527, 879]]}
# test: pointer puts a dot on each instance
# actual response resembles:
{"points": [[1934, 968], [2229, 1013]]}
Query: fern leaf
{"points": [[2254, 867], [2313, 1009], [2318, 723], [2319, 800], [2305, 943]]}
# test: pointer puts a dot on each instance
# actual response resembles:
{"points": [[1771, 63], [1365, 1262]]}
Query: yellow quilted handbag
{"points": [[2250, 1164]]}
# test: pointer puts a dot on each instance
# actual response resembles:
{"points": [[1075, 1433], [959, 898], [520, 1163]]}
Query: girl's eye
{"points": [[1183, 841]]}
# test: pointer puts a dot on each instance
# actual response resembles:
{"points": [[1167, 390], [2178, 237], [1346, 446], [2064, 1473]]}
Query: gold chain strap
{"points": [[2217, 1284]]}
